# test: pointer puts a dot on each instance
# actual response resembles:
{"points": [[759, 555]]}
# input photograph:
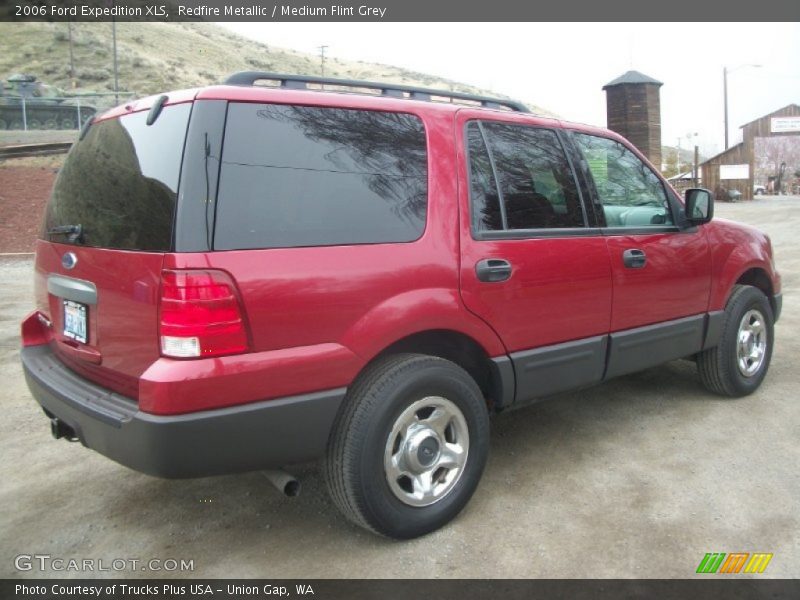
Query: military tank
{"points": [[46, 106]]}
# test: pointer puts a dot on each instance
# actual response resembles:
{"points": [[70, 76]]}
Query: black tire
{"points": [[358, 446], [719, 366]]}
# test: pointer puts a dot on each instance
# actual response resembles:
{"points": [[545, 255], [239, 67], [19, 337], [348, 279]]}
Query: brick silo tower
{"points": [[634, 111]]}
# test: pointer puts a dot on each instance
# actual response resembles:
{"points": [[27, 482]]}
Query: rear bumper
{"points": [[248, 437]]}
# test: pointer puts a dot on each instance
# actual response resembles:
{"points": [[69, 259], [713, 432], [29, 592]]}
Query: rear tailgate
{"points": [[107, 227], [121, 314]]}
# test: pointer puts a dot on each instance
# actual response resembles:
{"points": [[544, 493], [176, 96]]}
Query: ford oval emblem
{"points": [[69, 260]]}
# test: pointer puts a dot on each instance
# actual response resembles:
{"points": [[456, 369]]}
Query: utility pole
{"points": [[116, 70], [725, 100], [725, 71], [322, 60], [71, 57]]}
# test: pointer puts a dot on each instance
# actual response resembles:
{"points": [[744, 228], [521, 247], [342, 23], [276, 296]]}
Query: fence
{"points": [[67, 112]]}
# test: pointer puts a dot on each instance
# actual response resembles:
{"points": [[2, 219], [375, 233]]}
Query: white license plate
{"points": [[75, 321]]}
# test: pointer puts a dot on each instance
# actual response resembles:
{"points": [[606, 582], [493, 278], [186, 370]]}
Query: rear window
{"points": [[302, 176], [118, 186]]}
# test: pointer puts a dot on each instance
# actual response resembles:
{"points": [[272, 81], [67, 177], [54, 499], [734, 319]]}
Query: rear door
{"points": [[107, 226], [532, 267], [661, 272]]}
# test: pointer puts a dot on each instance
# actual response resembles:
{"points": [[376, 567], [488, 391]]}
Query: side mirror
{"points": [[699, 206]]}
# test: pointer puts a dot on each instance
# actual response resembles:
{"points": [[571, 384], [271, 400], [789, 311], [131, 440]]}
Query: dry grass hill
{"points": [[155, 57]]}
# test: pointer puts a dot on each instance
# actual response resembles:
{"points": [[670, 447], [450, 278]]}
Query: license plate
{"points": [[75, 321]]}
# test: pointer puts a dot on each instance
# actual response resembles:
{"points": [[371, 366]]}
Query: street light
{"points": [[725, 71]]}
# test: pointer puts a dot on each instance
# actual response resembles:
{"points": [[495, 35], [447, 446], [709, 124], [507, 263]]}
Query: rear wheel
{"points": [[739, 363], [409, 446]]}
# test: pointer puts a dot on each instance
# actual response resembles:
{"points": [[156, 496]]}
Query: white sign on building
{"points": [[785, 125], [734, 171]]}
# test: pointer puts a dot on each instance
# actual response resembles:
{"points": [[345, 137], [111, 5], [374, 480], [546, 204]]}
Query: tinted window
{"points": [[630, 193], [486, 215], [119, 183], [302, 176], [535, 181]]}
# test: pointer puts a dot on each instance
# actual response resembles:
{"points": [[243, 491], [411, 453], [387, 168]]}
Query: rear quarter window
{"points": [[304, 176]]}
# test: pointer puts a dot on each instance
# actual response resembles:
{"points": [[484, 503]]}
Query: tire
{"points": [[734, 369], [393, 463]]}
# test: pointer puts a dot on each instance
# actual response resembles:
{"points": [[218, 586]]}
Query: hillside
{"points": [[155, 57]]}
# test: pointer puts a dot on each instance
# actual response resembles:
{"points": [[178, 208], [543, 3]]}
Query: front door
{"points": [[661, 272]]}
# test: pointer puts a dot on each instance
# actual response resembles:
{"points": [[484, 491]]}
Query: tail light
{"points": [[200, 315]]}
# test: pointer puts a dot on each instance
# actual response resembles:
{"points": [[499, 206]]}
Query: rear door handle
{"points": [[492, 270], [634, 258]]}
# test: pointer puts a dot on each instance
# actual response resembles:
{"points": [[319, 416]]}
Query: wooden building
{"points": [[767, 143], [633, 108]]}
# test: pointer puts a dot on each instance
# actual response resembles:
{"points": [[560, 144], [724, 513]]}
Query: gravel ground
{"points": [[639, 477]]}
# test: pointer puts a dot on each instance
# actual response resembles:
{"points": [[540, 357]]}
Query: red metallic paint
{"points": [[735, 249], [123, 326], [178, 386], [675, 282]]}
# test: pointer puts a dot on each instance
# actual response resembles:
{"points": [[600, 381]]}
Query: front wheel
{"points": [[409, 445], [739, 363]]}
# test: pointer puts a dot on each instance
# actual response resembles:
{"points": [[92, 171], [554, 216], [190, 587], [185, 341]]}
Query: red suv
{"points": [[244, 277]]}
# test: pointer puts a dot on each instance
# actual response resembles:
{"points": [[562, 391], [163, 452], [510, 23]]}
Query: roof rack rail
{"points": [[299, 82]]}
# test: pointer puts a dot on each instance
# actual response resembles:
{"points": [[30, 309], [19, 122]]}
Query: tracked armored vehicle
{"points": [[25, 101]]}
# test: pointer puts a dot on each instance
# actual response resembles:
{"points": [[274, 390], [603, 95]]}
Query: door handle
{"points": [[634, 258], [492, 270]]}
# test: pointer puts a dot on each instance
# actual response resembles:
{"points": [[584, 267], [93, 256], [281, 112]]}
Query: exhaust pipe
{"points": [[59, 429], [285, 483]]}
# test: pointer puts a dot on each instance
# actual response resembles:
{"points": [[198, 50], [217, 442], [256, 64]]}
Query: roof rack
{"points": [[299, 82]]}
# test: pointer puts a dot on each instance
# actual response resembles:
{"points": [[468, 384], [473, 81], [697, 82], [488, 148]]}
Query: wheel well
{"points": [[460, 349], [757, 278]]}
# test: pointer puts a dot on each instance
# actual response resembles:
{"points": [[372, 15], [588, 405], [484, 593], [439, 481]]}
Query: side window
{"points": [[303, 176], [520, 179], [486, 215], [630, 193]]}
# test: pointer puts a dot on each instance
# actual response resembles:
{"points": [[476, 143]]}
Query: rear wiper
{"points": [[73, 232]]}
